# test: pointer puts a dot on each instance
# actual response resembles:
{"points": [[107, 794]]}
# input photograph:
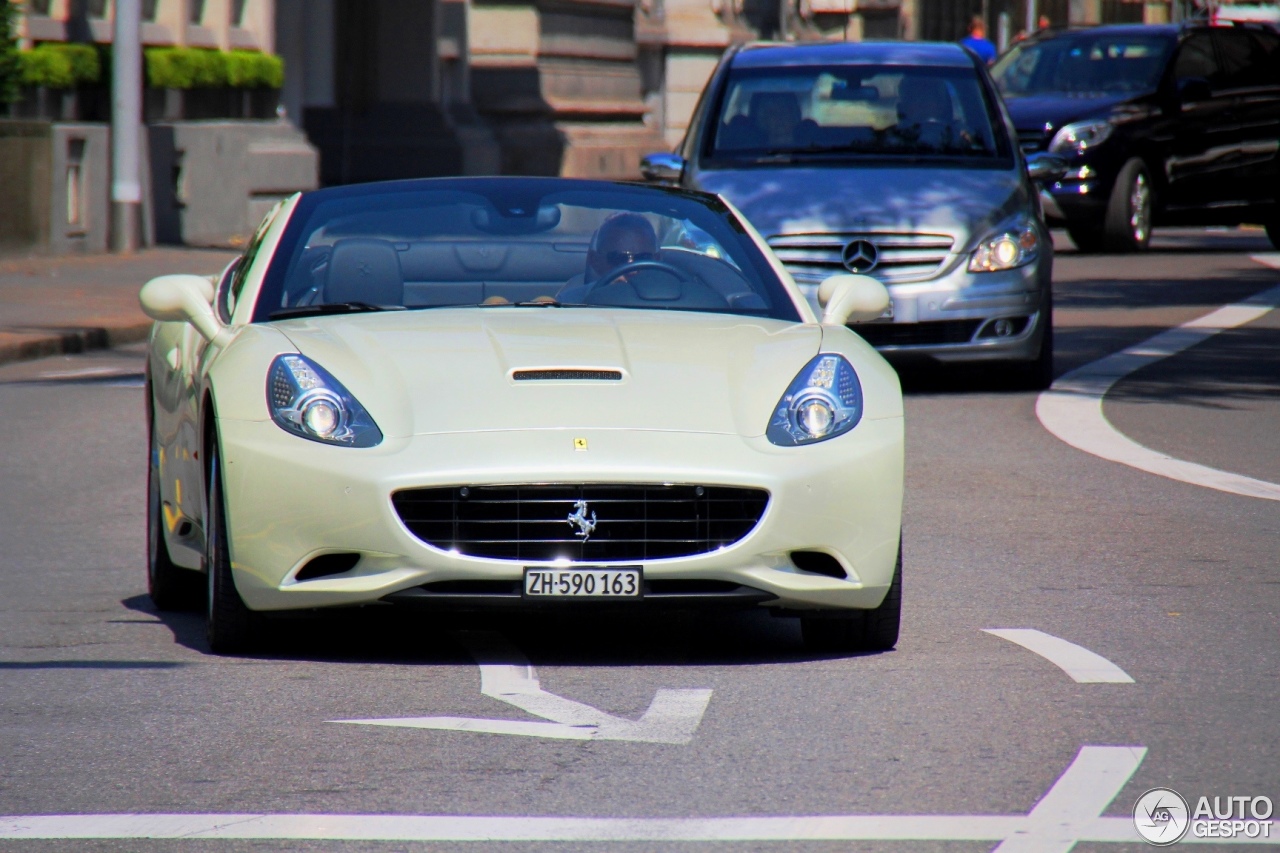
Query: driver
{"points": [[621, 240]]}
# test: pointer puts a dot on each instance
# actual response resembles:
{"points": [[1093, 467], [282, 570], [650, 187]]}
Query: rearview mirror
{"points": [[1045, 168], [851, 299], [662, 167], [181, 299]]}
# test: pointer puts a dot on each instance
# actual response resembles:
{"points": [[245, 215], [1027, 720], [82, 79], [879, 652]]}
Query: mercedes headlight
{"points": [[1012, 247], [305, 400], [1077, 137], [823, 401]]}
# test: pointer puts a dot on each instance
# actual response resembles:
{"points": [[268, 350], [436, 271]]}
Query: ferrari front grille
{"points": [[581, 522]]}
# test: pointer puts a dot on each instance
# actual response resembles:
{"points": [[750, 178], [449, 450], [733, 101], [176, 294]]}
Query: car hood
{"points": [[451, 370], [961, 203], [1033, 112]]}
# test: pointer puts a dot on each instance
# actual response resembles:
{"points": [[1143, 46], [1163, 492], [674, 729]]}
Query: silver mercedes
{"points": [[891, 160]]}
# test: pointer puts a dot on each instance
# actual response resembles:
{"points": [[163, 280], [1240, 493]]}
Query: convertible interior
{"points": [[426, 273]]}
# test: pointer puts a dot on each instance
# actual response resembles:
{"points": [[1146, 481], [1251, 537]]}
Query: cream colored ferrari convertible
{"points": [[520, 392]]}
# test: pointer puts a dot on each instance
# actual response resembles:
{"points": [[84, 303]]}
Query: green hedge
{"points": [[10, 64], [199, 68], [60, 66], [248, 69]]}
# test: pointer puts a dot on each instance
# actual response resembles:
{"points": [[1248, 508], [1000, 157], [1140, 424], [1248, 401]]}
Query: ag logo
{"points": [[1161, 816]]}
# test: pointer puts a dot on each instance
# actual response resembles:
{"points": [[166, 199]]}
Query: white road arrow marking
{"points": [[506, 675], [1069, 813], [1084, 666]]}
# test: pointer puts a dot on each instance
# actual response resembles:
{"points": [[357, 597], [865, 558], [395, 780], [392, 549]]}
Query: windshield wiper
{"points": [[331, 308]]}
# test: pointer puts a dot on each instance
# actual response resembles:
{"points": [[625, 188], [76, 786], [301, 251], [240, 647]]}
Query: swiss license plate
{"points": [[622, 582]]}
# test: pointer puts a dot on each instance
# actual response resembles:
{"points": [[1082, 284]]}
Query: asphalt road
{"points": [[109, 707]]}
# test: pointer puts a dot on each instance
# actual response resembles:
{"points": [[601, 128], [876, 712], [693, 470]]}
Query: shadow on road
{"points": [[581, 638]]}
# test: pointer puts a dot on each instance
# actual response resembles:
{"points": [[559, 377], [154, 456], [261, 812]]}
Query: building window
{"points": [[40, 7], [196, 8], [237, 12], [149, 10], [97, 8]]}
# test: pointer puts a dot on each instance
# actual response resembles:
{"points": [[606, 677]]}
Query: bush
{"points": [[86, 62], [55, 65], [10, 64], [249, 69], [185, 68]]}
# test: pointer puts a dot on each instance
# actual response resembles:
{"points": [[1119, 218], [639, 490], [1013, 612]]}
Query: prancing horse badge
{"points": [[579, 444]]}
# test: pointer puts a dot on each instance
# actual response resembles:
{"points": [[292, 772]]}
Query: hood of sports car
{"points": [[470, 369]]}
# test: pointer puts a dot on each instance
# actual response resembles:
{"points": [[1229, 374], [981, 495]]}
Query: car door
{"points": [[1205, 145], [1251, 79]]}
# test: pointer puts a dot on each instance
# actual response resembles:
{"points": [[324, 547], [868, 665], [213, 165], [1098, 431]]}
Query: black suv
{"points": [[1160, 124]]}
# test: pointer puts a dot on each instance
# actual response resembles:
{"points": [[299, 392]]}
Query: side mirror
{"points": [[851, 299], [1045, 168], [182, 299], [662, 168]]}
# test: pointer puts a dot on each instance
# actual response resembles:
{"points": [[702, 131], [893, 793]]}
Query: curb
{"points": [[41, 342]]}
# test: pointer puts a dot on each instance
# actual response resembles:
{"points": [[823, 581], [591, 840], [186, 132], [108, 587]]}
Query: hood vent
{"points": [[562, 375]]}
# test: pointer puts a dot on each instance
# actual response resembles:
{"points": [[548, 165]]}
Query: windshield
{"points": [[856, 110], [516, 243], [1084, 63]]}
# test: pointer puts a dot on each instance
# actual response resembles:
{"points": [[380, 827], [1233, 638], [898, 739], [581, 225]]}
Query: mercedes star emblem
{"points": [[860, 256]]}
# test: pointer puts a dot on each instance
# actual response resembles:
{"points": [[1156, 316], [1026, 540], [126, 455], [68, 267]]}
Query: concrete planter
{"points": [[41, 103], [203, 104]]}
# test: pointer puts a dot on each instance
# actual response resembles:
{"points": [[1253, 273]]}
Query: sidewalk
{"points": [[59, 305]]}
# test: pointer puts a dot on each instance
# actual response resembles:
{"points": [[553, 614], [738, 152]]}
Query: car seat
{"points": [[364, 270]]}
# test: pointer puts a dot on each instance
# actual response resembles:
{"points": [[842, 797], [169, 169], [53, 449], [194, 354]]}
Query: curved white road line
{"points": [[1082, 665], [1072, 407]]}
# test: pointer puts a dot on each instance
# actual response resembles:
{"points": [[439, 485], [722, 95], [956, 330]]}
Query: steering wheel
{"points": [[636, 266]]}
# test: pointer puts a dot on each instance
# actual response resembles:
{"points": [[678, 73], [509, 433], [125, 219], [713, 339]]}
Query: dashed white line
{"points": [[1072, 407], [1082, 665]]}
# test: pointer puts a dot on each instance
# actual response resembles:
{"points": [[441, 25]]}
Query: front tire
{"points": [[230, 626], [1127, 227], [858, 630]]}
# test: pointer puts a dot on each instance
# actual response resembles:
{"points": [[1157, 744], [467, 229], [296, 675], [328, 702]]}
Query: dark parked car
{"points": [[1161, 124]]}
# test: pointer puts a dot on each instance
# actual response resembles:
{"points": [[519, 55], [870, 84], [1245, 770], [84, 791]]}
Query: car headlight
{"points": [[1012, 247], [823, 401], [305, 400], [1077, 137]]}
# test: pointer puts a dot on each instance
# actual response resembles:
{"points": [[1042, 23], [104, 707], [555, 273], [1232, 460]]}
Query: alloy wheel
{"points": [[1140, 208]]}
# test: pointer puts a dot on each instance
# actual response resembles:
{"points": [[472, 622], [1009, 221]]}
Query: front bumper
{"points": [[290, 500], [952, 317]]}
